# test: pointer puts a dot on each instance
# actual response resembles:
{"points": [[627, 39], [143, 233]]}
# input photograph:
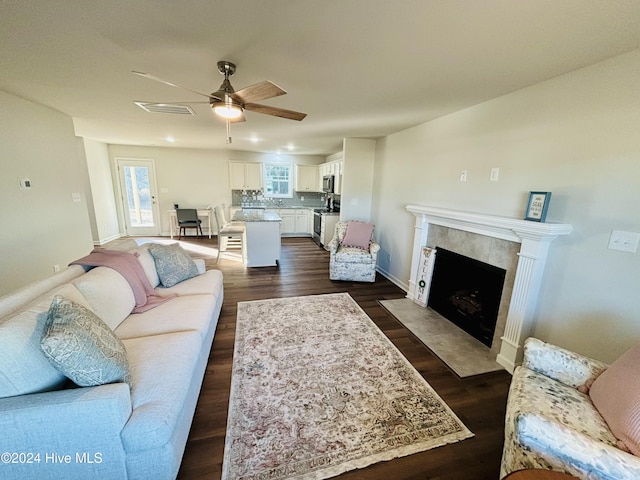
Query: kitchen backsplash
{"points": [[255, 198]]}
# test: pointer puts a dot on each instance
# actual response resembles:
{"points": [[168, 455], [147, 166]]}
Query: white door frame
{"points": [[155, 228]]}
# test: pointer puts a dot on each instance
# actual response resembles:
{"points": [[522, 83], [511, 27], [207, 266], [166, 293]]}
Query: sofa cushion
{"points": [[548, 444], [23, 367], [352, 255], [81, 346], [191, 312], [162, 371], [108, 294], [148, 264], [173, 264], [616, 395], [209, 282], [358, 235]]}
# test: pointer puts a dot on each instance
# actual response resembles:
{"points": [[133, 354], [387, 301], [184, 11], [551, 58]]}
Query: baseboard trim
{"points": [[103, 241], [393, 279]]}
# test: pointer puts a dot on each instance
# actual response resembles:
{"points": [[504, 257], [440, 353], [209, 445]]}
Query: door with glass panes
{"points": [[139, 197]]}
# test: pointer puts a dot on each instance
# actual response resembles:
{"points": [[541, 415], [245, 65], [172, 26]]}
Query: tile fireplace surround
{"points": [[534, 239]]}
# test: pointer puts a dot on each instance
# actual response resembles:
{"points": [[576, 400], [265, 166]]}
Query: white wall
{"points": [[41, 227], [195, 178], [102, 204], [357, 178], [575, 135]]}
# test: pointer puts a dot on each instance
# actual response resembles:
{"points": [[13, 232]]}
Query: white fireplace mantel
{"points": [[534, 238]]}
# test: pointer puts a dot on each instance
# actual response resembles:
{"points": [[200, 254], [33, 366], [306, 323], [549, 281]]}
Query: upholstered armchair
{"points": [[573, 414], [353, 252]]}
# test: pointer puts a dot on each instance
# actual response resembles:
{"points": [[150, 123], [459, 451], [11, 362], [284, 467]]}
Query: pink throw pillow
{"points": [[358, 235], [616, 395]]}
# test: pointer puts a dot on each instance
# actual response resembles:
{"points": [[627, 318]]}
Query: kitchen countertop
{"points": [[256, 215]]}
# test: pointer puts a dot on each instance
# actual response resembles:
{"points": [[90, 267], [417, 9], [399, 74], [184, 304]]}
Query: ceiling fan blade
{"points": [[259, 91], [276, 112], [172, 84]]}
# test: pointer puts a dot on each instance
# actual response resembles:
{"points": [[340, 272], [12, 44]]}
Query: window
{"points": [[277, 180]]}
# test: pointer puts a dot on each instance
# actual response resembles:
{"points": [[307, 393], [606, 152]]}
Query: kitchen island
{"points": [[262, 236]]}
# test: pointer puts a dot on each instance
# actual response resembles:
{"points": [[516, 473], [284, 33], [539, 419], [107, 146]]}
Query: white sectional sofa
{"points": [[52, 429]]}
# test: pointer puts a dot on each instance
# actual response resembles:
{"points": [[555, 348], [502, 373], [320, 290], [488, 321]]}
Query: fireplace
{"points": [[522, 286], [467, 292]]}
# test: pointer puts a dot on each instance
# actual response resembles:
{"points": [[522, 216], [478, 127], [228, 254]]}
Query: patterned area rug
{"points": [[318, 390]]}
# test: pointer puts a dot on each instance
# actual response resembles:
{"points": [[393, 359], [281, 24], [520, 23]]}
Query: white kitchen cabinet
{"points": [[306, 178], [263, 243], [327, 229], [288, 216], [304, 221], [296, 221], [322, 171], [245, 176], [337, 184]]}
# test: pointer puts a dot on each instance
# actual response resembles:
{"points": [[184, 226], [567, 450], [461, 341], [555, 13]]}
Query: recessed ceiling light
{"points": [[170, 139], [290, 147], [254, 139]]}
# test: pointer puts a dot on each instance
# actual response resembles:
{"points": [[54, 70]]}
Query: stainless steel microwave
{"points": [[327, 183]]}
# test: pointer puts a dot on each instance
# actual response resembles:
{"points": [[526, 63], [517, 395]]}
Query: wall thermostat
{"points": [[24, 183]]}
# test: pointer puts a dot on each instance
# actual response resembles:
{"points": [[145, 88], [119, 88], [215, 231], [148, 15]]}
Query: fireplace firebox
{"points": [[467, 292]]}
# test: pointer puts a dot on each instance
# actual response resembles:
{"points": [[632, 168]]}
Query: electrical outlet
{"points": [[624, 241], [495, 174], [463, 175], [56, 268]]}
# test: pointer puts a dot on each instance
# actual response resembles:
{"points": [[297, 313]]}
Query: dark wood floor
{"points": [[478, 401]]}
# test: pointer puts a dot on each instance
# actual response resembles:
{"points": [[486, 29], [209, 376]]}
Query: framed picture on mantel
{"points": [[537, 206]]}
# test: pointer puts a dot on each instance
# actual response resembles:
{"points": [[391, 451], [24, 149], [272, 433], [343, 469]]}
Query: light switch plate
{"points": [[624, 241], [495, 174]]}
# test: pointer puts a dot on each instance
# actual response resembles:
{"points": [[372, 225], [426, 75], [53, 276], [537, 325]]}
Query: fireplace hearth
{"points": [[467, 292]]}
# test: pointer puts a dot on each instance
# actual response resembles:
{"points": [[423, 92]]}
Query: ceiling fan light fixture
{"points": [[227, 111]]}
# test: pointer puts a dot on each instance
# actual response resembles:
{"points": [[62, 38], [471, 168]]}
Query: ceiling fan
{"points": [[230, 104]]}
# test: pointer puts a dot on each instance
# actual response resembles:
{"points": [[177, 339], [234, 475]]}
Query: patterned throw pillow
{"points": [[358, 235], [82, 347], [173, 264]]}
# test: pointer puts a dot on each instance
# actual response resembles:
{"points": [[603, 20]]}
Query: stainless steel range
{"points": [[324, 221], [317, 224]]}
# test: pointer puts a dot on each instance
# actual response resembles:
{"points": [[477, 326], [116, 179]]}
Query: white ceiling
{"points": [[358, 68]]}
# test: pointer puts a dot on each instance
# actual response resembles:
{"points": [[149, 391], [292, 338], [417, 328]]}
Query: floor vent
{"points": [[168, 108]]}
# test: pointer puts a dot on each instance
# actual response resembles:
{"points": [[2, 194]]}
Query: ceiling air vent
{"points": [[169, 108]]}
